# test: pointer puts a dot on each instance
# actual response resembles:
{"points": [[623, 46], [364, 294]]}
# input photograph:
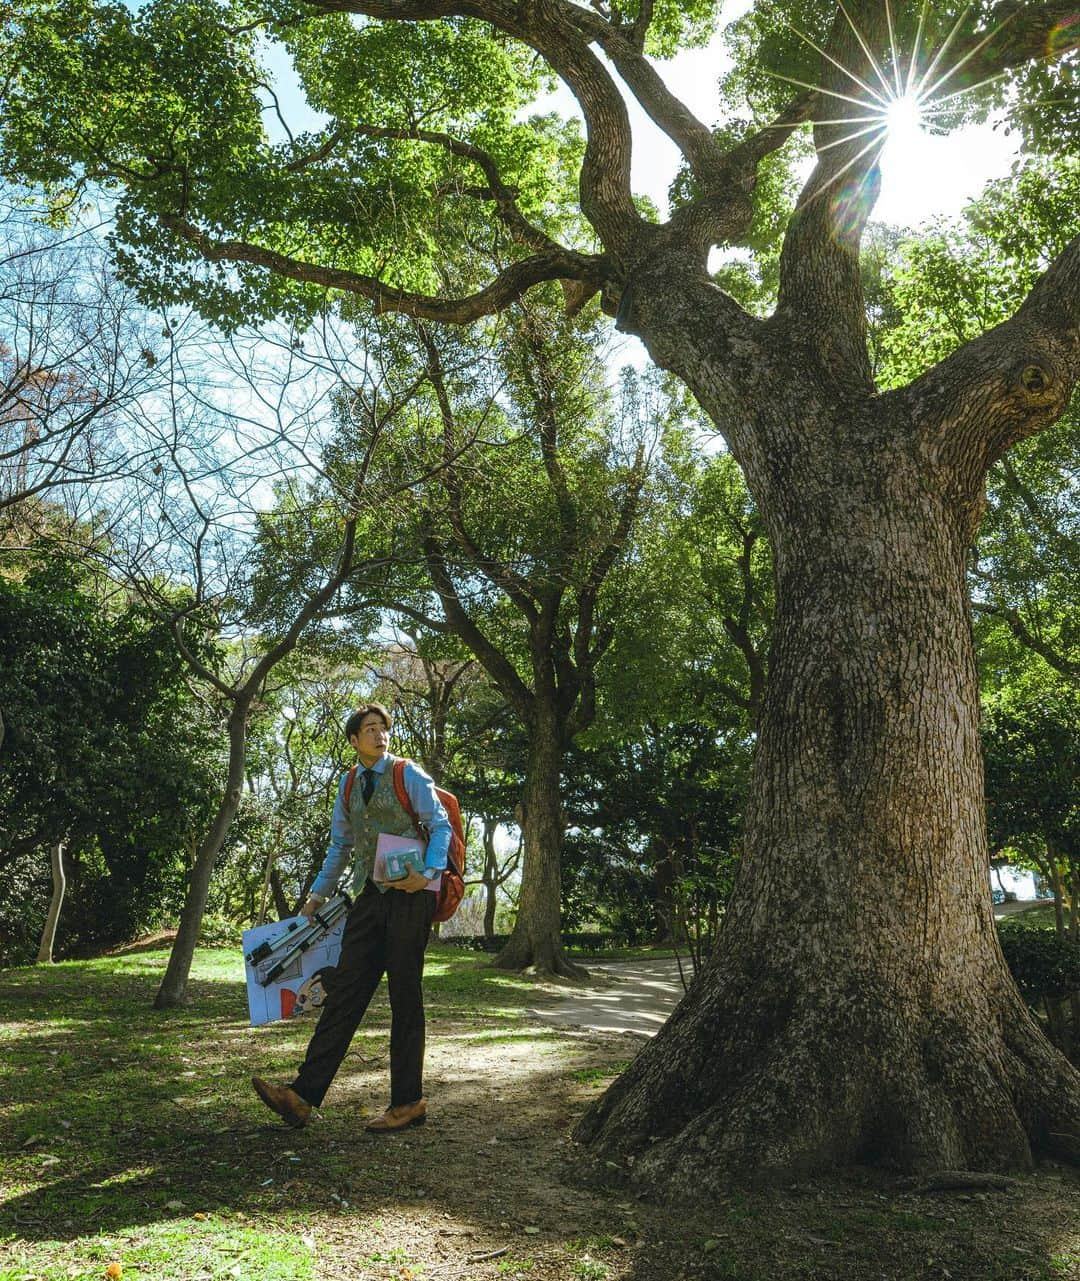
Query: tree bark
{"points": [[173, 987], [491, 876], [858, 1008], [667, 927], [48, 933], [536, 939], [281, 903]]}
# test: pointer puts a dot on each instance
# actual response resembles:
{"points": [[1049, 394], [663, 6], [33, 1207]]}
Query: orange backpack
{"points": [[452, 886]]}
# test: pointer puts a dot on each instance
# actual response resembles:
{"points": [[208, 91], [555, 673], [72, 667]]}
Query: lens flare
{"points": [[1062, 36], [912, 86], [903, 118]]}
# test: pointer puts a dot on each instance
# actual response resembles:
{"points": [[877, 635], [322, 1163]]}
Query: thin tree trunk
{"points": [[873, 1019], [1055, 874], [491, 875], [666, 913], [281, 903], [536, 939], [48, 934], [173, 987], [267, 873]]}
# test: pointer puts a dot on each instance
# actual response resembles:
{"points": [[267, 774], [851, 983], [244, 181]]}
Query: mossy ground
{"points": [[129, 1135]]}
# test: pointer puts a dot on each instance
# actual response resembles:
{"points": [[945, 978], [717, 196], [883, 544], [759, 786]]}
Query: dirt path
{"points": [[634, 997]]}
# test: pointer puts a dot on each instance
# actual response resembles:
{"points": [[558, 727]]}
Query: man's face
{"points": [[372, 739]]}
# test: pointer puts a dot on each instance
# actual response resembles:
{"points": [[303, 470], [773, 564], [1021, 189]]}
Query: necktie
{"points": [[368, 784]]}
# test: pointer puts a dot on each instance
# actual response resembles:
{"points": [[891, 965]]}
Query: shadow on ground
{"points": [[124, 1125]]}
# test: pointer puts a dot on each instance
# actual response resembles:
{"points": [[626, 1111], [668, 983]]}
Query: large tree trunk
{"points": [[48, 933], [536, 939], [173, 987], [857, 1008]]}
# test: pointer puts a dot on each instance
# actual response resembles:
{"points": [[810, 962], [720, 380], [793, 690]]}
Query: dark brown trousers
{"points": [[384, 934]]}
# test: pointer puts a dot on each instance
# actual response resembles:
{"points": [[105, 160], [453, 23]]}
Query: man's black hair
{"points": [[352, 725]]}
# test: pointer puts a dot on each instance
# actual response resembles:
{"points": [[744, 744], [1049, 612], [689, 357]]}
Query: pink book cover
{"points": [[395, 855]]}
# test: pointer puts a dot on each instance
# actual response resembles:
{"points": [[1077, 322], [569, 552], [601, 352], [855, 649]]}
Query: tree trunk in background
{"points": [[536, 939], [491, 875], [871, 1019], [48, 934], [281, 903], [173, 987], [268, 871], [666, 912]]}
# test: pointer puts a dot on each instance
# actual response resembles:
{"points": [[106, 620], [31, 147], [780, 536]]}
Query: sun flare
{"points": [[891, 101], [903, 119]]}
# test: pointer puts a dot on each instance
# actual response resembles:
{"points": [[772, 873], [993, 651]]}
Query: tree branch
{"points": [[560, 32], [1028, 639], [496, 572], [492, 659], [1013, 34], [520, 228], [506, 288], [1011, 382]]}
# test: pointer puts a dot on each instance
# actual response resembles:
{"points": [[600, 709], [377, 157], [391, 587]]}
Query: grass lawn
{"points": [[130, 1140]]}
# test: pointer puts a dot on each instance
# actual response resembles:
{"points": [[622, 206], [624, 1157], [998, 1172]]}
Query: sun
{"points": [[903, 120], [904, 117], [891, 102]]}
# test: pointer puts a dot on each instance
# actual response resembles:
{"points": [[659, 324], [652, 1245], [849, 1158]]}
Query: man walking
{"points": [[386, 931]]}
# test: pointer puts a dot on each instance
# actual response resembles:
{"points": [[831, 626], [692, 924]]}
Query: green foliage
{"points": [[105, 750], [646, 813], [927, 296], [1045, 965], [963, 277], [1031, 743], [169, 109]]}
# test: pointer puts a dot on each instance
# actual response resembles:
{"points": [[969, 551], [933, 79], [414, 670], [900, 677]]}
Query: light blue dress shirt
{"points": [[420, 790]]}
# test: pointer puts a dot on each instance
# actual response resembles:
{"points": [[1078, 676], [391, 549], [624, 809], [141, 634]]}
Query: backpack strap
{"points": [[402, 795], [350, 779]]}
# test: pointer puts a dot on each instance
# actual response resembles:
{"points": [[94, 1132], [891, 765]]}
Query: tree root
{"points": [[745, 1087], [546, 960]]}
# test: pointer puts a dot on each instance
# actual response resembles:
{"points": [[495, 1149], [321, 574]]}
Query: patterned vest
{"points": [[383, 813]]}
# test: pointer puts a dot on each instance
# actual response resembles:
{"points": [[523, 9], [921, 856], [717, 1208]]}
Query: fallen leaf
{"points": [[115, 1270], [200, 1216], [532, 1231]]}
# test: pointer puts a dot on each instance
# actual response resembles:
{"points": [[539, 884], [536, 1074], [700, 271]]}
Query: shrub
{"points": [[1045, 964]]}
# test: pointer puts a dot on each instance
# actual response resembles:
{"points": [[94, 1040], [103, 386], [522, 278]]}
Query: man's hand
{"points": [[411, 883], [311, 907]]}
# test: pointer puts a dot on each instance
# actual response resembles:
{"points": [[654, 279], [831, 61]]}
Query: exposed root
{"points": [[546, 959], [743, 1085]]}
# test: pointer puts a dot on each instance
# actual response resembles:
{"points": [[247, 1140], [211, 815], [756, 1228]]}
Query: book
{"points": [[396, 856]]}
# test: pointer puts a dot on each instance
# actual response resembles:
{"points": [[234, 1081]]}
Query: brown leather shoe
{"points": [[399, 1118], [292, 1109]]}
